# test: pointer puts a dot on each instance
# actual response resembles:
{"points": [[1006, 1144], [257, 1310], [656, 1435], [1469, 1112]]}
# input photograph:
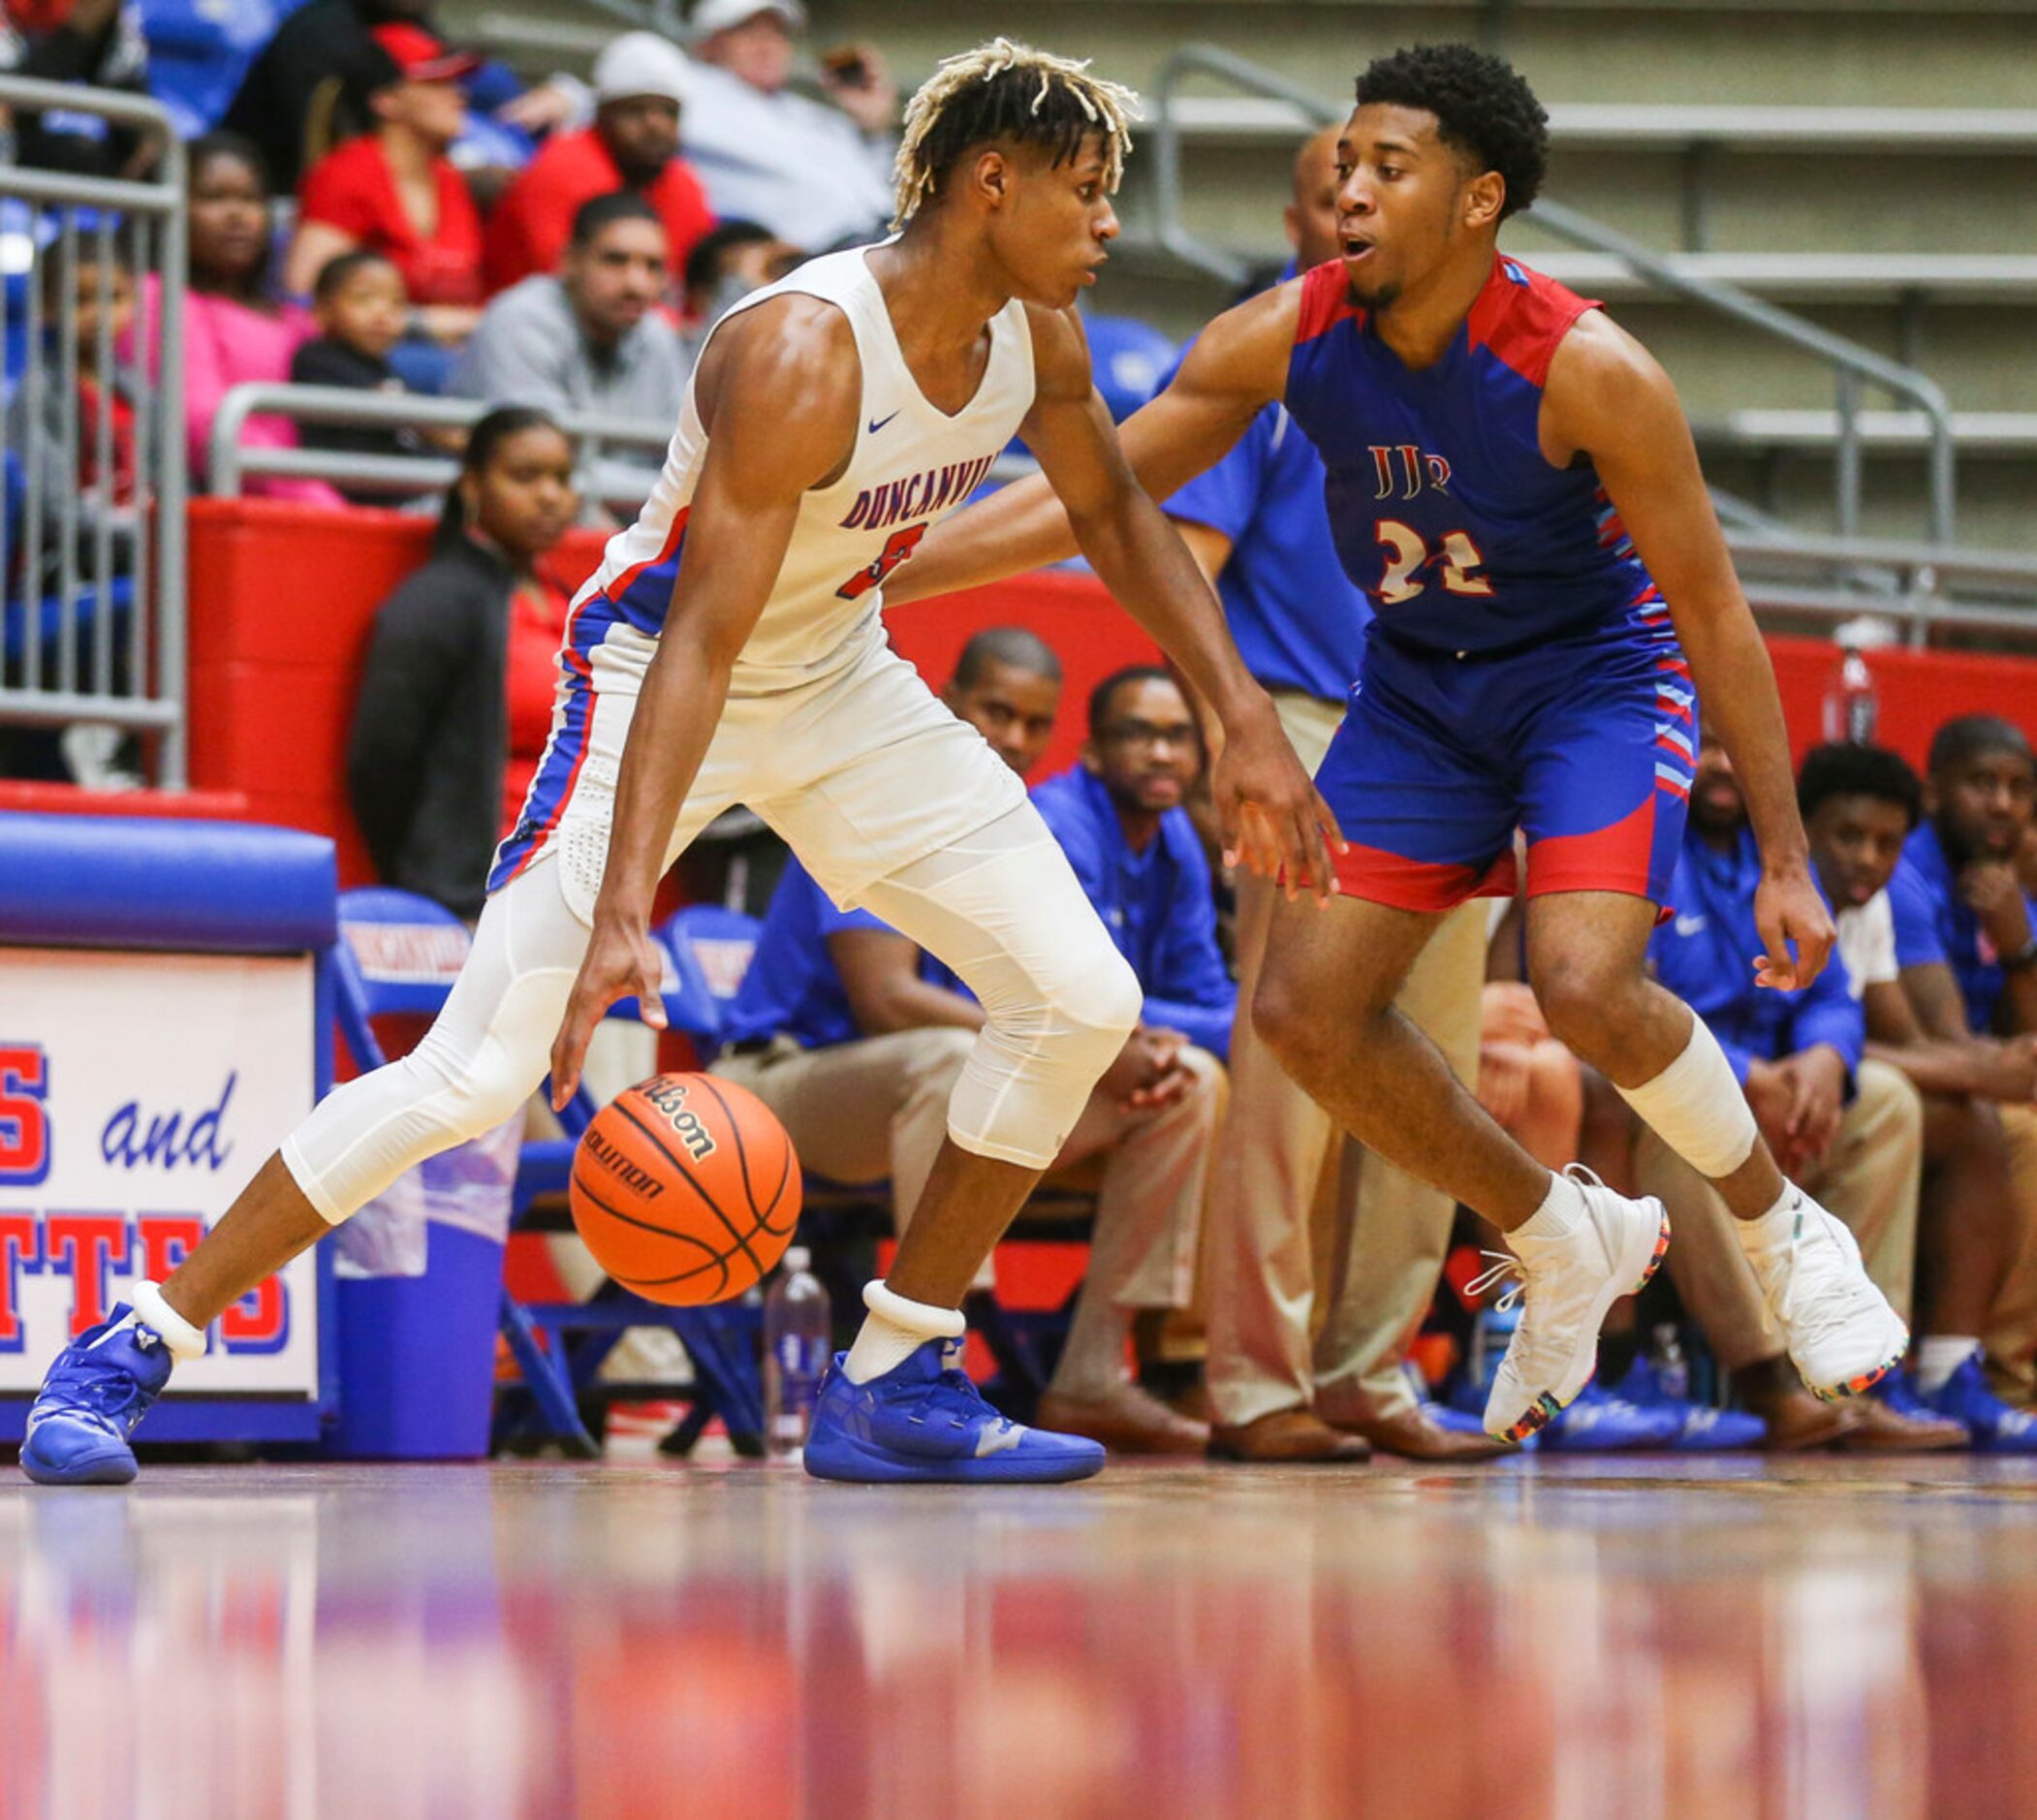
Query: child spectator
{"points": [[361, 305], [82, 485]]}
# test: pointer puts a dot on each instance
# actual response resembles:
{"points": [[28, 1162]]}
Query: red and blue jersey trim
{"points": [[639, 597]]}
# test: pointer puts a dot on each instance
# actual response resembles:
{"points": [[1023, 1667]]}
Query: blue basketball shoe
{"points": [[924, 1423], [98, 1389], [1996, 1427]]}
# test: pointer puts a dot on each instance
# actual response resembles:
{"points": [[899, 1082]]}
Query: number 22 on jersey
{"points": [[1407, 551]]}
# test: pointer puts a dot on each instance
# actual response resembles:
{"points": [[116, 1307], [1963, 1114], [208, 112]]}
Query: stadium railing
{"points": [[1695, 131], [601, 476], [598, 474], [1854, 368], [94, 571]]}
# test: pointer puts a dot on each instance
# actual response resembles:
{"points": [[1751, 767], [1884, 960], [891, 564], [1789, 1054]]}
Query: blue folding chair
{"points": [[720, 1340]]}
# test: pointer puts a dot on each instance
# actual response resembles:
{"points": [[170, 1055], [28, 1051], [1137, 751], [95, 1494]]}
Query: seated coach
{"points": [[855, 1037]]}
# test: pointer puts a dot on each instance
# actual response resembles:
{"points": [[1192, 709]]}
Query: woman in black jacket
{"points": [[455, 701]]}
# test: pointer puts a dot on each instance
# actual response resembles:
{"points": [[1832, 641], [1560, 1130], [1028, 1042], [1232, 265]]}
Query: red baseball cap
{"points": [[423, 56]]}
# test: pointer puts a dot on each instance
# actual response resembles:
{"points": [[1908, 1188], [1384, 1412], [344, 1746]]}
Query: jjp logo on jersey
{"points": [[1403, 470]]}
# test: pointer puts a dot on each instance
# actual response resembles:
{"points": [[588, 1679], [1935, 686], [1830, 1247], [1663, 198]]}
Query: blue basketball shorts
{"points": [[1586, 745]]}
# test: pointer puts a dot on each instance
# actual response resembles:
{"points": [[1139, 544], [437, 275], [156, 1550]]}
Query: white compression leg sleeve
{"points": [[1695, 1106], [480, 1061], [1003, 908]]}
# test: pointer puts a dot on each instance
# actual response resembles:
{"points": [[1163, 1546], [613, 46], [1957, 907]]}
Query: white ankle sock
{"points": [[184, 1341], [894, 1329], [1561, 1212], [1939, 1356], [1776, 1227]]}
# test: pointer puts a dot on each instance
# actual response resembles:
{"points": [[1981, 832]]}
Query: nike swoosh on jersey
{"points": [[877, 423], [1690, 926]]}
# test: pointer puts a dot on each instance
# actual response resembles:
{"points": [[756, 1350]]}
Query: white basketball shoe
{"points": [[1567, 1284], [1840, 1332]]}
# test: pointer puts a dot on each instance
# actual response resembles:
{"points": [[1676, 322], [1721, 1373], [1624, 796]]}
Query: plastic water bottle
{"points": [[1852, 702], [798, 1331], [1670, 1368]]}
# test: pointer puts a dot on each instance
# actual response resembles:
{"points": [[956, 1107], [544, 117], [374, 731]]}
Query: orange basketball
{"points": [[686, 1189]]}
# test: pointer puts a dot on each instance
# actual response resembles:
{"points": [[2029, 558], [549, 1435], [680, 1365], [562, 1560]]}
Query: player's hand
{"points": [[1769, 1099], [1268, 812], [1817, 1086], [1790, 915], [1170, 1077], [2008, 1069], [1993, 893], [622, 962]]}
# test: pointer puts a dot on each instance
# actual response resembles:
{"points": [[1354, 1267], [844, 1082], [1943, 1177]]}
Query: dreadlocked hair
{"points": [[1003, 90]]}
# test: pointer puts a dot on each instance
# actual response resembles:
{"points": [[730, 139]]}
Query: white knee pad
{"points": [[1034, 1066], [477, 1064], [1004, 909], [1696, 1106]]}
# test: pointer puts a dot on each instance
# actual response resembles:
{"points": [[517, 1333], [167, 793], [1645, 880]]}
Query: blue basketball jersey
{"points": [[1444, 510]]}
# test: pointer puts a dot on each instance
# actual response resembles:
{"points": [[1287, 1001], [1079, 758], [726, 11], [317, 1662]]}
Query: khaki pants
{"points": [[1392, 1231], [860, 1111], [2010, 1334], [1868, 1178]]}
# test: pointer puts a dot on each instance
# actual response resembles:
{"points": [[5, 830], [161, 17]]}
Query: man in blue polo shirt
{"points": [[1256, 524], [1848, 1128], [855, 1037], [1967, 957]]}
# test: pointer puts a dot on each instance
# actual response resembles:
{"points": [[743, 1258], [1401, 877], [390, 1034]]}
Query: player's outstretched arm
{"points": [[778, 391], [1238, 365], [1270, 813], [1608, 397]]}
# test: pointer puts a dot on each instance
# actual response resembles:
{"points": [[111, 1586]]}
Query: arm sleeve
{"points": [[1917, 940], [417, 649], [510, 360]]}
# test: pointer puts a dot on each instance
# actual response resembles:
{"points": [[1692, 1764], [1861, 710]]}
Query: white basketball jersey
{"points": [[912, 464]]}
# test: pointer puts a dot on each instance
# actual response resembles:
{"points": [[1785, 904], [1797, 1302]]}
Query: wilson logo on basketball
{"points": [[670, 1098]]}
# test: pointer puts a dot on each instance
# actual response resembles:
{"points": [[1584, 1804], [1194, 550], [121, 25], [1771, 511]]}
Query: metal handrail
{"points": [[1851, 363], [161, 682], [231, 464], [611, 482]]}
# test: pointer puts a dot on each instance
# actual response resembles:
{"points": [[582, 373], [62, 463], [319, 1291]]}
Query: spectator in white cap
{"points": [[642, 82], [817, 176]]}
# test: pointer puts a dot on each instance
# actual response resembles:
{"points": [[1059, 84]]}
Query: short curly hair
{"points": [[1484, 108], [1857, 770]]}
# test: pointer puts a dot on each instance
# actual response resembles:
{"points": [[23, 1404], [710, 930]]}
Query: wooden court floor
{"points": [[1675, 1637]]}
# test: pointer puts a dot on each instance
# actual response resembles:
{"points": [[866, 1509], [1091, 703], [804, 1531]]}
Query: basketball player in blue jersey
{"points": [[1511, 480], [729, 648]]}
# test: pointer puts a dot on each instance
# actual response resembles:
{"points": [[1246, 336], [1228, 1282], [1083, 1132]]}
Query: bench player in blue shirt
{"points": [[1512, 481]]}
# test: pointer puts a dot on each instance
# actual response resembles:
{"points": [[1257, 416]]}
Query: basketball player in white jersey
{"points": [[730, 650]]}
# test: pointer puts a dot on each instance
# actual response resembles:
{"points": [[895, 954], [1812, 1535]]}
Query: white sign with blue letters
{"points": [[138, 1092]]}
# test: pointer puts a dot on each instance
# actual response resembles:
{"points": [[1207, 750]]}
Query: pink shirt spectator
{"points": [[226, 344]]}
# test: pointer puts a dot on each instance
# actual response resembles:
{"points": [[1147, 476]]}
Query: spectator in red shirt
{"points": [[394, 191], [640, 84]]}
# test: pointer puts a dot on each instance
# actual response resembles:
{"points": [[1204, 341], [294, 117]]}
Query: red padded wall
{"points": [[282, 598]]}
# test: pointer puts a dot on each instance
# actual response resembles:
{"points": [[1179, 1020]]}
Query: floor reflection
{"points": [[524, 1640]]}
